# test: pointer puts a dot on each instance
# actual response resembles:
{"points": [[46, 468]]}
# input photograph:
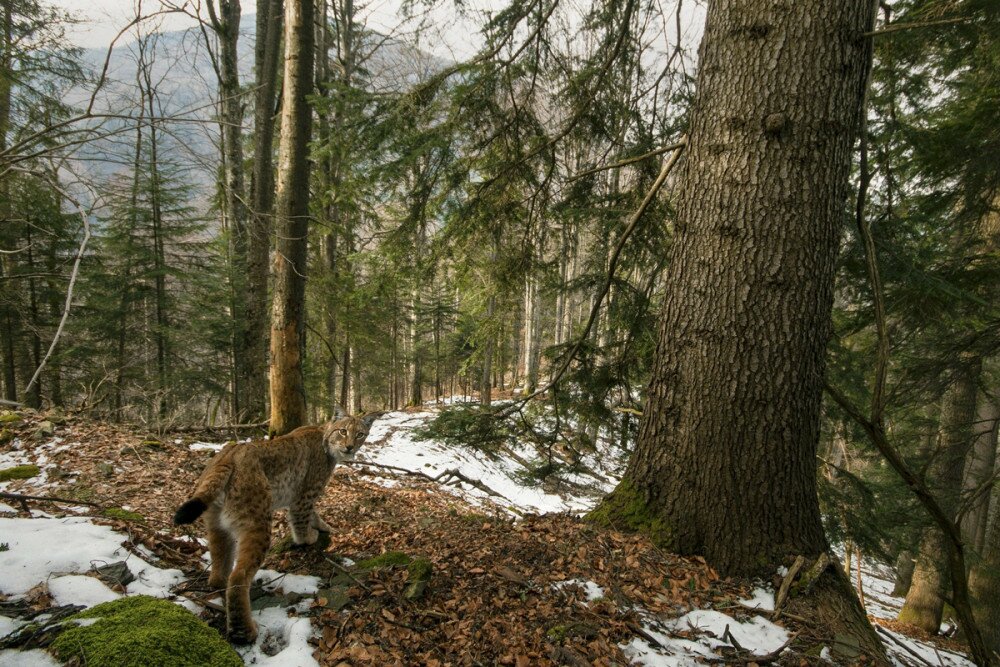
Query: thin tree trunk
{"points": [[734, 399], [288, 398], [485, 382], [7, 316], [226, 25], [930, 584], [267, 52]]}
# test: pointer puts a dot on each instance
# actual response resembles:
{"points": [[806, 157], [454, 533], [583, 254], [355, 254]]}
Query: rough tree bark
{"points": [[979, 470], [930, 583], [725, 465], [984, 587], [288, 398]]}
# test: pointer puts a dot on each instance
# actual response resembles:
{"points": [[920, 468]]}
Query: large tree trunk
{"points": [[979, 470], [288, 397], [925, 599], [267, 51], [725, 463], [984, 587]]}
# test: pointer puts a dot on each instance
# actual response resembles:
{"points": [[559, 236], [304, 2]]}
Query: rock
{"points": [[45, 428], [333, 598], [267, 601], [115, 573], [418, 575], [106, 469], [10, 418]]}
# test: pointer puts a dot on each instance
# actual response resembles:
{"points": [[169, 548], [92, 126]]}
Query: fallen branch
{"points": [[50, 499], [786, 585], [894, 640], [215, 429], [445, 477]]}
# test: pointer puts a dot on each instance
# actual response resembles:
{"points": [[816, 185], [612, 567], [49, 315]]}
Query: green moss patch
{"points": [[143, 631], [124, 515], [10, 418], [388, 559], [19, 472], [625, 508]]}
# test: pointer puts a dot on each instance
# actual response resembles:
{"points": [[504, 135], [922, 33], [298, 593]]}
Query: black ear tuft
{"points": [[369, 418], [189, 511]]}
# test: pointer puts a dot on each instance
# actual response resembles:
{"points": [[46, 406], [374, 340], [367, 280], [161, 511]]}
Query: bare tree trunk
{"points": [[7, 316], [147, 90], [486, 378], [734, 399], [226, 25], [288, 398], [532, 335], [925, 599], [267, 52]]}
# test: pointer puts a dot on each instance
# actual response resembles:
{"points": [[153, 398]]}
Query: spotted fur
{"points": [[245, 483]]}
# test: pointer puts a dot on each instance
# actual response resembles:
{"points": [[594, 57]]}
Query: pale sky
{"points": [[102, 19], [442, 32]]}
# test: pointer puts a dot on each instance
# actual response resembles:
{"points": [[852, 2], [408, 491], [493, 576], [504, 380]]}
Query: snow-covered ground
{"points": [[392, 442]]}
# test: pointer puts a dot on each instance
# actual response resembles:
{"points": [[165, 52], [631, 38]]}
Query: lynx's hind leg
{"points": [[222, 548], [254, 539]]}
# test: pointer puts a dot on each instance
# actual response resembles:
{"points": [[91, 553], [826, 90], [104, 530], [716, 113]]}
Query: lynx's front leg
{"points": [[300, 520], [318, 523]]}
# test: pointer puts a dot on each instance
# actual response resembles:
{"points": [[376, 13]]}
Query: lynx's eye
{"points": [[360, 436], [343, 431]]}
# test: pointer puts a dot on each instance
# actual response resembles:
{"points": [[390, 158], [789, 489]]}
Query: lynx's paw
{"points": [[243, 634]]}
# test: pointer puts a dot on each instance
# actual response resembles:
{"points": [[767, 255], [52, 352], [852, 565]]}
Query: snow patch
{"points": [[590, 589], [762, 599], [80, 589]]}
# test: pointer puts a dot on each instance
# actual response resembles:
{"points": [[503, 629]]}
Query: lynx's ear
{"points": [[369, 418], [338, 412]]}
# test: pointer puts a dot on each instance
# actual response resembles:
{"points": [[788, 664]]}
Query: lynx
{"points": [[245, 483]]}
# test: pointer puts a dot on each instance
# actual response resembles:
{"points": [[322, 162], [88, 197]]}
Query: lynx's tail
{"points": [[213, 481]]}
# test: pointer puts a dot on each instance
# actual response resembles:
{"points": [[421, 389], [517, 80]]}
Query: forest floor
{"points": [[507, 584]]}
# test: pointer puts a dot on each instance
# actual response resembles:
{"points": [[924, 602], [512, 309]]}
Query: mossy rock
{"points": [[19, 472], [418, 574], [6, 435], [388, 559], [143, 631], [10, 418], [123, 514]]}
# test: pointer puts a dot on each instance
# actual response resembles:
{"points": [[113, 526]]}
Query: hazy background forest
{"points": [[489, 209]]}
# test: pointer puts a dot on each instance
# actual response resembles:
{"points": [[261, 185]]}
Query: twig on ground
{"points": [[344, 570], [786, 584], [49, 499]]}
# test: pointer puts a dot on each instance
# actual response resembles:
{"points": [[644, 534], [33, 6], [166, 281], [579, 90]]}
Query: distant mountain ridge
{"points": [[186, 87]]}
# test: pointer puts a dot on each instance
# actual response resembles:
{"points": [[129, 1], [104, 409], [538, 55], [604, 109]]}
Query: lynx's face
{"points": [[343, 437]]}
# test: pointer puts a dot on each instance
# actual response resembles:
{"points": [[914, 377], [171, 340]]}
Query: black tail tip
{"points": [[189, 511]]}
